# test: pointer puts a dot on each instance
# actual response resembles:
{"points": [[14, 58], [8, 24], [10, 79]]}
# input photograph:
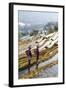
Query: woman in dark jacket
{"points": [[29, 56], [37, 55]]}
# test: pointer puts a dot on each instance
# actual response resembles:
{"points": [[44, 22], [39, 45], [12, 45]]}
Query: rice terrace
{"points": [[37, 45]]}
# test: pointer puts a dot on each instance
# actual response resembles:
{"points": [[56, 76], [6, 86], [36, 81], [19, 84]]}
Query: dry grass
{"points": [[44, 55]]}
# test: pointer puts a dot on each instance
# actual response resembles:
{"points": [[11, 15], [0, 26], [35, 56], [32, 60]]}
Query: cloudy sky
{"points": [[32, 17]]}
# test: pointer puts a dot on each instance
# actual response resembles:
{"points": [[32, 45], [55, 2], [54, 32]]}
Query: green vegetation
{"points": [[34, 33]]}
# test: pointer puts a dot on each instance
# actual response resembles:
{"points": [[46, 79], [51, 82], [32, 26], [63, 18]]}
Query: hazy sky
{"points": [[33, 17]]}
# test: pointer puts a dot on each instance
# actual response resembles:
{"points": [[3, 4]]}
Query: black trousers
{"points": [[37, 62], [28, 65]]}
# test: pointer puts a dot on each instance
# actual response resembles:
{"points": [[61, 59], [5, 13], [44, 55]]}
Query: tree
{"points": [[56, 27], [34, 33]]}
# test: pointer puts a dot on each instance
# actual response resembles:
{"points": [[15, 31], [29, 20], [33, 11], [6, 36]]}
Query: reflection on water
{"points": [[48, 72]]}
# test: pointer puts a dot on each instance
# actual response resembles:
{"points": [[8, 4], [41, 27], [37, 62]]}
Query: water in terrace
{"points": [[48, 72]]}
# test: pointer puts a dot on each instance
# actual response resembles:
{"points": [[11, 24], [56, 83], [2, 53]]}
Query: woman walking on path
{"points": [[37, 55], [29, 56]]}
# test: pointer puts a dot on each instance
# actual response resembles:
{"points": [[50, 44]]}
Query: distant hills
{"points": [[27, 29]]}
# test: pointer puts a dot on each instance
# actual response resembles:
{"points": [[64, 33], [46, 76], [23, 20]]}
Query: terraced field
{"points": [[48, 47], [44, 55], [45, 69]]}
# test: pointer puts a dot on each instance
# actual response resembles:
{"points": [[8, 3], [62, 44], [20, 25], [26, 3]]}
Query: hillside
{"points": [[48, 47]]}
